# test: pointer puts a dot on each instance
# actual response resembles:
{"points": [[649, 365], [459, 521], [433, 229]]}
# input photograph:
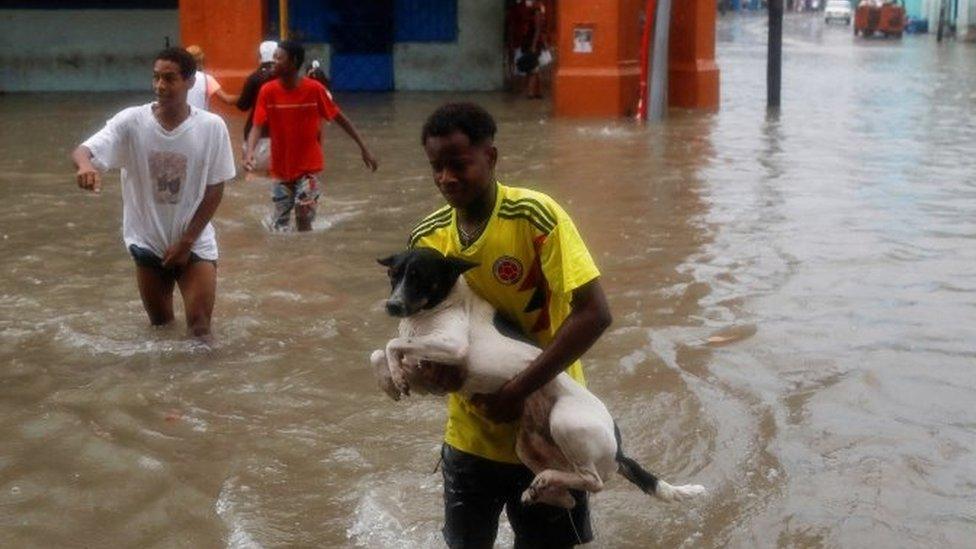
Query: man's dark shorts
{"points": [[476, 489], [145, 258]]}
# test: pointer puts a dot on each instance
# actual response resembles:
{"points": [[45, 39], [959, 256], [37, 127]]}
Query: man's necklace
{"points": [[467, 237]]}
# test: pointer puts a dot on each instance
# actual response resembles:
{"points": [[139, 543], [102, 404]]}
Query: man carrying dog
{"points": [[534, 268], [174, 159]]}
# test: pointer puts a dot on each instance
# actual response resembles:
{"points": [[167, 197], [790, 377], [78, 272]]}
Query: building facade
{"points": [[379, 45]]}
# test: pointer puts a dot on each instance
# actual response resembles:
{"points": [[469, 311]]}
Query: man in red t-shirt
{"points": [[292, 107]]}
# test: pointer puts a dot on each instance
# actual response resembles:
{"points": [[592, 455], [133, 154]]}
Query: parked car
{"points": [[838, 10]]}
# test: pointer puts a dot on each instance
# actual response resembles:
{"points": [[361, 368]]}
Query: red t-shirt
{"points": [[293, 117]]}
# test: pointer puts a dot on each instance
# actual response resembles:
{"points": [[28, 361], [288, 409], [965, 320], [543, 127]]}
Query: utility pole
{"points": [[283, 19], [942, 21], [774, 54], [659, 61]]}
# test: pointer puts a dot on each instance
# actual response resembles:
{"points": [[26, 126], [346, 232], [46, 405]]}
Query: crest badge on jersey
{"points": [[507, 270]]}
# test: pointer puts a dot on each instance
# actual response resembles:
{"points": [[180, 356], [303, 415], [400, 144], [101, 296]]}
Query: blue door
{"points": [[361, 34]]}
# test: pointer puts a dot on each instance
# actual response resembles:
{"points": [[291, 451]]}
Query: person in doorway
{"points": [[175, 160], [315, 72], [206, 86], [527, 32], [292, 107], [248, 98], [534, 268]]}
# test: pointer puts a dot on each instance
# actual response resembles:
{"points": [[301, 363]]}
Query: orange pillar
{"points": [[692, 72], [229, 32], [598, 44]]}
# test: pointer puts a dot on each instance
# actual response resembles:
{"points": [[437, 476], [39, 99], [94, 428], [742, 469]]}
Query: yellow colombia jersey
{"points": [[530, 258]]}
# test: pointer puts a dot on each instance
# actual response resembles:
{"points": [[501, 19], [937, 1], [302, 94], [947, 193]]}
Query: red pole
{"points": [[645, 56]]}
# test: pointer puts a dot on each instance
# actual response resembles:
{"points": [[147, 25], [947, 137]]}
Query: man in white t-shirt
{"points": [[174, 160]]}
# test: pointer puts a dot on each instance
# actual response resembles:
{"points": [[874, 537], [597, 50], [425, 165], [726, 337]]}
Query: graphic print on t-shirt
{"points": [[168, 171]]}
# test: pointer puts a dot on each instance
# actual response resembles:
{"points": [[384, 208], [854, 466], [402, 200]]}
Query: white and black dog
{"points": [[566, 435]]}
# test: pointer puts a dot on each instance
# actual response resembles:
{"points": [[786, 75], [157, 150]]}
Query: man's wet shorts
{"points": [[145, 258], [476, 490], [301, 195]]}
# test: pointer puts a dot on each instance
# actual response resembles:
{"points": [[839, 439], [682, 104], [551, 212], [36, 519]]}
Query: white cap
{"points": [[266, 50]]}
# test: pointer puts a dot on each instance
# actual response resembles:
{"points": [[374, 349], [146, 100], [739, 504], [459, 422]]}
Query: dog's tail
{"points": [[648, 482]]}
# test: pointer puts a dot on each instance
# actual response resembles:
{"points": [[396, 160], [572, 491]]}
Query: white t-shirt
{"points": [[203, 88], [164, 173]]}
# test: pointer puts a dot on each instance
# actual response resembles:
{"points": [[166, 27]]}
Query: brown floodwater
{"points": [[794, 303]]}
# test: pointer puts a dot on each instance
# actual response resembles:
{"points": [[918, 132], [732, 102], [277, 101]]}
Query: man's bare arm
{"points": [[227, 98], [589, 318], [179, 253], [87, 176], [252, 141], [350, 129]]}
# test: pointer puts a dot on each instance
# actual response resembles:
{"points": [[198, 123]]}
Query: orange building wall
{"points": [[693, 76], [229, 32], [604, 82]]}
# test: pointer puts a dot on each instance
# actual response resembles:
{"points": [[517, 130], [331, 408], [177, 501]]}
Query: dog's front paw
{"points": [[382, 372], [387, 386], [399, 382], [398, 375]]}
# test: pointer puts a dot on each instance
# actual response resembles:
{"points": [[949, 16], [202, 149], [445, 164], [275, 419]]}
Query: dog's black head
{"points": [[420, 279]]}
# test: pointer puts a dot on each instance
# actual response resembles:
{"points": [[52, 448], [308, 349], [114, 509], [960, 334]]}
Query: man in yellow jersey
{"points": [[534, 268]]}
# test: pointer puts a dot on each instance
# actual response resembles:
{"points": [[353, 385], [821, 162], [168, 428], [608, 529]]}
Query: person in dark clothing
{"points": [[527, 43], [255, 80], [315, 72], [249, 96]]}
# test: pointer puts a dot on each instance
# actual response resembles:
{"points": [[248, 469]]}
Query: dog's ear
{"points": [[459, 266], [387, 261]]}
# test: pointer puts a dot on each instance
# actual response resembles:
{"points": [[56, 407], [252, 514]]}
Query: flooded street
{"points": [[794, 303]]}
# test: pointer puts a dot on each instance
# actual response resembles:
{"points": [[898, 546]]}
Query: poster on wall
{"points": [[583, 40]]}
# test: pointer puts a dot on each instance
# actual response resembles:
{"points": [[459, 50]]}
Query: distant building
{"points": [[104, 45]]}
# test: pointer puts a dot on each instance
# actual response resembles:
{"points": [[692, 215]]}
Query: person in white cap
{"points": [[249, 95]]}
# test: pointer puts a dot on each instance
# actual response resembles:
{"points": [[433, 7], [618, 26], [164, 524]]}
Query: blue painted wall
{"points": [[414, 20], [915, 8]]}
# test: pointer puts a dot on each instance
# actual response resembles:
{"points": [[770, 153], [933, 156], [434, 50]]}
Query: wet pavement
{"points": [[794, 304]]}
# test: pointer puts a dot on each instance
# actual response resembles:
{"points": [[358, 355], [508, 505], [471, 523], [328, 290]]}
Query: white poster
{"points": [[583, 40]]}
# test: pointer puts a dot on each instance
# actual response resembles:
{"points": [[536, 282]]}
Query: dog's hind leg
{"points": [[648, 482], [552, 486], [552, 495]]}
